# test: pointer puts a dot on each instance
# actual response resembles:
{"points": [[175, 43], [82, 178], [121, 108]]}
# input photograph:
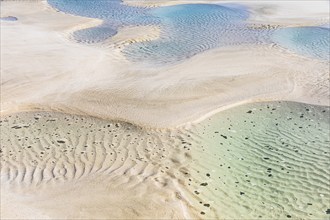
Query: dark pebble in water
{"points": [[61, 142], [207, 205], [203, 184], [289, 216], [241, 193], [309, 203], [328, 211], [224, 136], [202, 213], [249, 112], [208, 175]]}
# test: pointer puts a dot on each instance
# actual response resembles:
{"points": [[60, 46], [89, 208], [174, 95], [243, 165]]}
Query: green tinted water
{"points": [[263, 160]]}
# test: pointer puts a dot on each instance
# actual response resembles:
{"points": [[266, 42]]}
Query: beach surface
{"points": [[97, 80], [88, 133]]}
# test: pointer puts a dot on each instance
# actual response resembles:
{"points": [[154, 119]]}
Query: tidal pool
{"points": [[189, 29], [186, 29]]}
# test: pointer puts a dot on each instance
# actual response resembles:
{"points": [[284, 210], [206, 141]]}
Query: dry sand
{"points": [[43, 69]]}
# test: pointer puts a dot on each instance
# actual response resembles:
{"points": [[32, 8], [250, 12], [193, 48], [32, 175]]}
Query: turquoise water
{"points": [[189, 29], [308, 41], [186, 29], [113, 13]]}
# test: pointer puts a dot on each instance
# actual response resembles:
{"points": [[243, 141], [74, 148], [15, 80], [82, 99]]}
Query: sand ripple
{"points": [[263, 160], [266, 160], [57, 151]]}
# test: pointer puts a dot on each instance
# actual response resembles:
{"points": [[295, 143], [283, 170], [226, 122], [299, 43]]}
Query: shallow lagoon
{"points": [[189, 29], [186, 29]]}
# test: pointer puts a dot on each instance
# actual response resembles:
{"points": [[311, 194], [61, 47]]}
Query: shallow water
{"points": [[256, 161], [189, 29], [309, 41], [113, 13], [264, 160], [186, 29]]}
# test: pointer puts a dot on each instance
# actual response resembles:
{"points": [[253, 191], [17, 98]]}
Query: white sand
{"points": [[43, 69], [62, 166]]}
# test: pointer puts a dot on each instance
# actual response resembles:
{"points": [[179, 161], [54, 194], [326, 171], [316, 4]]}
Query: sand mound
{"points": [[114, 169]]}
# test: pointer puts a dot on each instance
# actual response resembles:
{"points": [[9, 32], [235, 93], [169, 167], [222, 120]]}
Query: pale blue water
{"points": [[193, 28], [308, 41], [188, 29], [113, 13], [8, 18]]}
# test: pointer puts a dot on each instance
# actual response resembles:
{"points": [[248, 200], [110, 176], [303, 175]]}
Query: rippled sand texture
{"points": [[89, 168], [264, 160]]}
